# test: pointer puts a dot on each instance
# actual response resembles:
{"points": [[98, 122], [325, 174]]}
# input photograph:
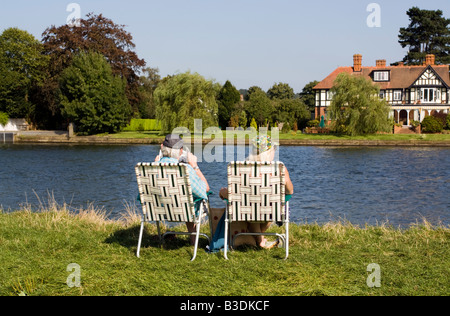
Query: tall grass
{"points": [[37, 246]]}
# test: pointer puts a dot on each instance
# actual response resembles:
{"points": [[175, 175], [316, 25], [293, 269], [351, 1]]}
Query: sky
{"points": [[248, 42]]}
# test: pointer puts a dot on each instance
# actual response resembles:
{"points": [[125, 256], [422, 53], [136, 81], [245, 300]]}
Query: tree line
{"points": [[90, 75]]}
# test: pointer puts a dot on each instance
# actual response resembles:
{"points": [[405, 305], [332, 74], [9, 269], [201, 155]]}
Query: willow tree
{"points": [[357, 108], [185, 97]]}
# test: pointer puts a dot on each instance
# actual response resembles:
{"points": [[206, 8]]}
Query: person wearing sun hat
{"points": [[263, 149]]}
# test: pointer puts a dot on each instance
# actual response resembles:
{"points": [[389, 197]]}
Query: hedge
{"points": [[143, 125]]}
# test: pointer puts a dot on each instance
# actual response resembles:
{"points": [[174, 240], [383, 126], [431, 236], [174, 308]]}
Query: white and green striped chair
{"points": [[256, 193], [166, 196]]}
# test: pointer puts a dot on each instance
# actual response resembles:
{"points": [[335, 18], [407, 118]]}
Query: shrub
{"points": [[442, 117], [447, 121], [253, 124], [313, 123], [415, 123], [143, 125], [430, 124], [4, 118], [286, 127]]}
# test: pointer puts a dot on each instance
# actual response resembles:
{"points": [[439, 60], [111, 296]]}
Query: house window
{"points": [[429, 95], [397, 95], [381, 76], [382, 94], [330, 95]]}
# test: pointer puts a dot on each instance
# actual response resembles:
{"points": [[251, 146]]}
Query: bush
{"points": [[4, 118], [430, 124], [447, 126], [143, 125], [253, 124], [313, 123]]}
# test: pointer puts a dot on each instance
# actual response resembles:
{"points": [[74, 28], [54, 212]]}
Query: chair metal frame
{"points": [[166, 196], [256, 193]]}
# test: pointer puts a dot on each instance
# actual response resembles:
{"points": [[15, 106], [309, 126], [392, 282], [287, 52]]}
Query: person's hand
{"points": [[223, 194], [157, 159], [193, 160]]}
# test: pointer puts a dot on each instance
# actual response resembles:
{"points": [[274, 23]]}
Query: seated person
{"points": [[263, 150], [172, 152]]}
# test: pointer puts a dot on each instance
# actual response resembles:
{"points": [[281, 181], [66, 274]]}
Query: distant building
{"points": [[413, 92], [15, 125]]}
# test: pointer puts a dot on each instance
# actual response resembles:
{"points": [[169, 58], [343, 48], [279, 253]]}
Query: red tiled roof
{"points": [[401, 77]]}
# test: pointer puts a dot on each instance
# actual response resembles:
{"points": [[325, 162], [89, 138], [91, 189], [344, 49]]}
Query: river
{"points": [[363, 185]]}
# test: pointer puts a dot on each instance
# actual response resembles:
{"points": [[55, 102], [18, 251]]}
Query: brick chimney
{"points": [[381, 63], [357, 63], [430, 60]]}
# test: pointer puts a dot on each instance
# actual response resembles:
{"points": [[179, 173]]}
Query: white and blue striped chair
{"points": [[256, 193], [166, 196]]}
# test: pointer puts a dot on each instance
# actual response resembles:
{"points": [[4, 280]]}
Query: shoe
{"points": [[280, 243], [271, 244]]}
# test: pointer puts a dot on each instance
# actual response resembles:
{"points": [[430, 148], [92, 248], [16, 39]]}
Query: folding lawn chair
{"points": [[166, 196], [256, 193]]}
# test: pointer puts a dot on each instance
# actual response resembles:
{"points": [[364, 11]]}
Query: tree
{"points": [[427, 33], [252, 90], [253, 124], [281, 91], [292, 112], [182, 98], [96, 33], [357, 108], [92, 96], [4, 118], [308, 95], [21, 66], [259, 107], [147, 87], [227, 99]]}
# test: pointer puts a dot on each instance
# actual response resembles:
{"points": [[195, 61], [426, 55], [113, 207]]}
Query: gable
{"points": [[429, 77]]}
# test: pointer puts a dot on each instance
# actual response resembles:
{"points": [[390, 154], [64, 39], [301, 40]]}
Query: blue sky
{"points": [[249, 42]]}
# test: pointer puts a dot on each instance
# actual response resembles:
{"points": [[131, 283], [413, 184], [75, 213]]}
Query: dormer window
{"points": [[381, 76]]}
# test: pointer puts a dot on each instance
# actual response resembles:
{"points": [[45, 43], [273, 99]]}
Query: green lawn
{"points": [[299, 136], [332, 259]]}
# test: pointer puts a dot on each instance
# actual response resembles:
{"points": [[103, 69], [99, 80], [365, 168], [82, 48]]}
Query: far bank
{"points": [[287, 139]]}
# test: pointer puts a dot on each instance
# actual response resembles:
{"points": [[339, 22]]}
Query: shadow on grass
{"points": [[129, 238]]}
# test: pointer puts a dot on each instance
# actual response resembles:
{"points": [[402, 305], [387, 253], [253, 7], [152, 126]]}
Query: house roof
{"points": [[401, 77]]}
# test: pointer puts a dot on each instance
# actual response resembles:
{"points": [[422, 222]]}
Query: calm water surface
{"points": [[362, 185]]}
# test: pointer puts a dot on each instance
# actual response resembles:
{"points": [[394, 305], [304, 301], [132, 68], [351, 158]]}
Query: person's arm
{"points": [[289, 184], [193, 162]]}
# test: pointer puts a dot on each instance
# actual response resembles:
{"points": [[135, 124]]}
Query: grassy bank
{"points": [[300, 136], [332, 259]]}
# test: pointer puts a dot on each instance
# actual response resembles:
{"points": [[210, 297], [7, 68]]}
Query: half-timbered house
{"points": [[413, 92]]}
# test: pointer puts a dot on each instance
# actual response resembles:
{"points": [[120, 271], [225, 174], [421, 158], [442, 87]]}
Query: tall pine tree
{"points": [[428, 33]]}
